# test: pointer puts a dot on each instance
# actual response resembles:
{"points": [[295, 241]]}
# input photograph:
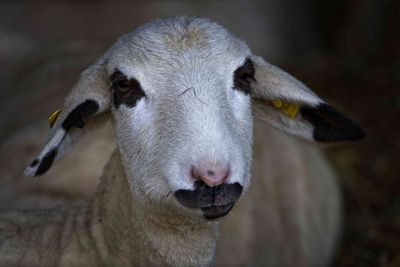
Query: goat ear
{"points": [[287, 104], [85, 107]]}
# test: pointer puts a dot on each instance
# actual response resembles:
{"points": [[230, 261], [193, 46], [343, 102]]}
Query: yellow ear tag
{"points": [[290, 109], [53, 117]]}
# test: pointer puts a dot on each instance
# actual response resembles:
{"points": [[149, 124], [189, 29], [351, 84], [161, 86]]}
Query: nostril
{"points": [[210, 173], [195, 174]]}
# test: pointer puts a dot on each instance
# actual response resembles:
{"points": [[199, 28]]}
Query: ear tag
{"points": [[289, 108], [53, 117]]}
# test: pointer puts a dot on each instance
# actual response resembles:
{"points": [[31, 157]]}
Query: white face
{"points": [[181, 121]]}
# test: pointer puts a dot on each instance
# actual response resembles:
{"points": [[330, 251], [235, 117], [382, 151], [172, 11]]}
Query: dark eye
{"points": [[123, 86], [126, 91], [119, 82], [244, 76]]}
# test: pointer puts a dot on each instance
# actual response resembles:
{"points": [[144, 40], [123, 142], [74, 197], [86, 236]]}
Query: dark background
{"points": [[345, 50]]}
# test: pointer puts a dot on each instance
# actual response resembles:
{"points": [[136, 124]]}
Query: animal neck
{"points": [[138, 234]]}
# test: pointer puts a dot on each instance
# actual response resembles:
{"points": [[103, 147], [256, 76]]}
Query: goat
{"points": [[180, 94]]}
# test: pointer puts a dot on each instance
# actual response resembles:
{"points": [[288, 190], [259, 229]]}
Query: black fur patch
{"points": [[34, 163], [244, 76], [125, 91], [47, 161], [213, 213], [76, 116], [214, 201], [330, 125]]}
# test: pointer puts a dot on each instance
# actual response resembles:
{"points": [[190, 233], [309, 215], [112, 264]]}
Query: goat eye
{"points": [[119, 82], [123, 86], [244, 76], [125, 91]]}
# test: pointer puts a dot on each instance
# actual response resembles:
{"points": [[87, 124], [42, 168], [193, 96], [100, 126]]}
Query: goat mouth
{"points": [[215, 212], [214, 202]]}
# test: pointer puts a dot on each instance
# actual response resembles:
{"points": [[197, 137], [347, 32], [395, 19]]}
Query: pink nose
{"points": [[211, 175]]}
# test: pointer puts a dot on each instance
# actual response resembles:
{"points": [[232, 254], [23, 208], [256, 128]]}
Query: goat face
{"points": [[182, 113], [182, 94]]}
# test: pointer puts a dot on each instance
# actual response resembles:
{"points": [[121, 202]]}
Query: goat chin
{"points": [[290, 216]]}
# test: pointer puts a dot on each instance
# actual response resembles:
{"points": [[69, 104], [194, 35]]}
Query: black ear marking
{"points": [[330, 125], [34, 163], [75, 117], [47, 161]]}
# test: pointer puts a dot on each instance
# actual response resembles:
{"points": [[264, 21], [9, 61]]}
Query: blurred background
{"points": [[345, 50]]}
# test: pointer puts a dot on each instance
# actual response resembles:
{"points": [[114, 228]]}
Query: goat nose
{"points": [[211, 174]]}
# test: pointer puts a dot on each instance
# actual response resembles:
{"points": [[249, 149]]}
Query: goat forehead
{"points": [[198, 80], [182, 33], [206, 74]]}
